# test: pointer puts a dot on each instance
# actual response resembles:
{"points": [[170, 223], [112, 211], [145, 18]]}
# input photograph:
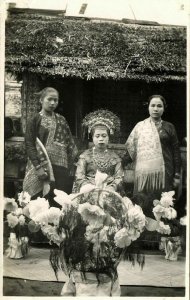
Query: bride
{"points": [[99, 159]]}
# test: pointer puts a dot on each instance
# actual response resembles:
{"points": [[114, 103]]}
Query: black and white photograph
{"points": [[95, 142]]}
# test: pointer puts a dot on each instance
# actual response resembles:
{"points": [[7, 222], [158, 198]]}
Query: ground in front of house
{"points": [[23, 287], [33, 276]]}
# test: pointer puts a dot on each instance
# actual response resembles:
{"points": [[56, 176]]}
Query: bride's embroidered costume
{"points": [[100, 124], [90, 161]]}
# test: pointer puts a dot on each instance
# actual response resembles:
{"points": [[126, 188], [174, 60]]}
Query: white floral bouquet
{"points": [[16, 212], [91, 230], [19, 215], [17, 220], [165, 213]]}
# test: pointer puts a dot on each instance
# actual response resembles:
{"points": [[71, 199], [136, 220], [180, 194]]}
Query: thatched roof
{"points": [[85, 49]]}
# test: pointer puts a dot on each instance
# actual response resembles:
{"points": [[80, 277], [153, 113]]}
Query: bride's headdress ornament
{"points": [[102, 117]]}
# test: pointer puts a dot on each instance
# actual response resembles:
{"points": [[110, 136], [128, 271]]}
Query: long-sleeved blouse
{"points": [[87, 167], [170, 151], [56, 138]]}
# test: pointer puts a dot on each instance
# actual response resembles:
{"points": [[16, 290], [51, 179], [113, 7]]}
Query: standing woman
{"points": [[50, 147], [154, 148]]}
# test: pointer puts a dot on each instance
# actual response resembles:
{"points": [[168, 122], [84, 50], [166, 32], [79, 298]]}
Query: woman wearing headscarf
{"points": [[50, 147]]}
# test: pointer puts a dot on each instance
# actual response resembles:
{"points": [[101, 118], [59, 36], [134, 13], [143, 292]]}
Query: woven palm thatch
{"points": [[86, 49]]}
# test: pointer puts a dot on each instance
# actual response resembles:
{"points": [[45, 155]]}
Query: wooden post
{"points": [[30, 103], [78, 107]]}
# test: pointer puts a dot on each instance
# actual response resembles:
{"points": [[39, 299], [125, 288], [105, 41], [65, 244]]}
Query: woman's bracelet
{"points": [[38, 167]]}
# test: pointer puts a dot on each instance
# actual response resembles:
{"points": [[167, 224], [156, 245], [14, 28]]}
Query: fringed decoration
{"points": [[153, 181]]}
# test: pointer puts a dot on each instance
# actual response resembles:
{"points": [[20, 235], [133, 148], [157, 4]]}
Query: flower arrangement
{"points": [[17, 220], [165, 214], [171, 246], [91, 230], [19, 215], [168, 226]]}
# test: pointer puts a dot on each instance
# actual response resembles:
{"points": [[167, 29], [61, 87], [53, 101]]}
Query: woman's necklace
{"points": [[102, 159], [47, 120], [158, 124]]}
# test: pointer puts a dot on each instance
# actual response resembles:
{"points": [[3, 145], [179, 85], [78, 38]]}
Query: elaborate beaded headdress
{"points": [[101, 117]]}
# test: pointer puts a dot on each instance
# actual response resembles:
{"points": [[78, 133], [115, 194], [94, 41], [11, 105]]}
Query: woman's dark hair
{"points": [[158, 96], [44, 92]]}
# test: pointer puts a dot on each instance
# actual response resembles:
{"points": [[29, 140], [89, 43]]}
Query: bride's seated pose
{"points": [[99, 161]]}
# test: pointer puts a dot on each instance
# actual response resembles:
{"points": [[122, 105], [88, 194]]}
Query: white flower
{"points": [[95, 235], [41, 217], [156, 202], [21, 219], [183, 220], [51, 232], [49, 229], [163, 229], [50, 215], [72, 197], [18, 211], [91, 213], [159, 211], [170, 213], [100, 179], [12, 220], [26, 211], [54, 215], [37, 206], [167, 199], [136, 218], [10, 204], [151, 224], [24, 198], [62, 198], [122, 238], [103, 234], [133, 233], [127, 203]]}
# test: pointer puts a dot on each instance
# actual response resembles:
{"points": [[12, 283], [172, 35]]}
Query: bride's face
{"points": [[100, 138]]}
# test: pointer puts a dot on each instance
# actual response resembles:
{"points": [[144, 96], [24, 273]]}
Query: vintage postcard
{"points": [[95, 148]]}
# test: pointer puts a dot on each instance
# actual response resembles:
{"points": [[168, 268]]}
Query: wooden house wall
{"points": [[125, 98]]}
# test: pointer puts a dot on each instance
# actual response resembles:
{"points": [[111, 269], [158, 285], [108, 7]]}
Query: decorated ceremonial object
{"points": [[101, 117], [97, 230], [91, 233]]}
